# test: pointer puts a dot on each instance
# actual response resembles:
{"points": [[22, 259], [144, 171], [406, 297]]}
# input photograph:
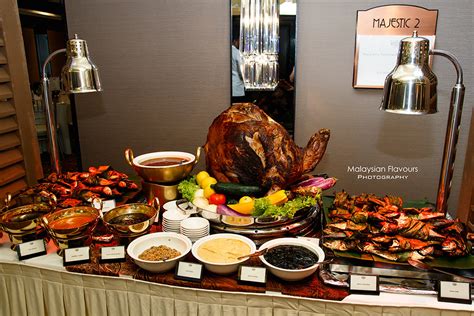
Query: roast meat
{"points": [[245, 145]]}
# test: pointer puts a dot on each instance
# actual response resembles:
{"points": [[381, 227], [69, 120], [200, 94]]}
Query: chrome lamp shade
{"points": [[79, 74], [411, 89], [411, 86]]}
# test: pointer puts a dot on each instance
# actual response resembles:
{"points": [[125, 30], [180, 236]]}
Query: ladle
{"points": [[264, 251], [424, 266]]}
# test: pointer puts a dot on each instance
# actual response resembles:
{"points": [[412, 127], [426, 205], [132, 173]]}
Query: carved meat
{"points": [[244, 145]]}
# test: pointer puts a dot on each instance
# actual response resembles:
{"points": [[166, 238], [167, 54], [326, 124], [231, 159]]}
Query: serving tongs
{"points": [[424, 266]]}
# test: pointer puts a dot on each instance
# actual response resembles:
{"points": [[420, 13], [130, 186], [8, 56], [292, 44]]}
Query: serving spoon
{"points": [[264, 251], [424, 266]]}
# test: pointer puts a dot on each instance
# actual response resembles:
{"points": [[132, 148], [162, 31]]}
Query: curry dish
{"points": [[223, 250]]}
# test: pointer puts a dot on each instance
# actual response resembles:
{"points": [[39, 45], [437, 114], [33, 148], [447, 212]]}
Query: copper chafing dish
{"points": [[129, 221], [163, 166], [71, 227], [23, 223]]}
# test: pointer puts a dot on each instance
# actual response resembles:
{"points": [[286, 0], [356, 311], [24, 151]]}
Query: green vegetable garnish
{"points": [[188, 187], [263, 208]]}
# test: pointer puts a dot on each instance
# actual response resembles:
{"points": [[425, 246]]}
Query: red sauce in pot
{"points": [[71, 222], [165, 161]]}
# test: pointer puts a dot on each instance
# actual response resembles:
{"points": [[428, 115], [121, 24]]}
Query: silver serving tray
{"points": [[250, 223]]}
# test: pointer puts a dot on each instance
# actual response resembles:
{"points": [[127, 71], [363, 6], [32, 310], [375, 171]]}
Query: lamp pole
{"points": [[452, 133], [50, 120]]}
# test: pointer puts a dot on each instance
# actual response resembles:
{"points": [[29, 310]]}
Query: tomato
{"points": [[217, 199], [245, 199]]}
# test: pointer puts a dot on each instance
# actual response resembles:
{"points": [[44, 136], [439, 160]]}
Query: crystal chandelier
{"points": [[259, 43]]}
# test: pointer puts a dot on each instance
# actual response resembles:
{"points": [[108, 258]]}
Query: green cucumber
{"points": [[236, 189]]}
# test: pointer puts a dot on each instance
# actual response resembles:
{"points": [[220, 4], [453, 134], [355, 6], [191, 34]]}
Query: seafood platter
{"points": [[402, 242], [256, 194]]}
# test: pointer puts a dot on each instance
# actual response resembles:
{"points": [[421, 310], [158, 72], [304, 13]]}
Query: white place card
{"points": [[249, 274], [457, 292], [76, 255], [107, 205], [112, 254], [188, 271], [364, 284], [31, 249]]}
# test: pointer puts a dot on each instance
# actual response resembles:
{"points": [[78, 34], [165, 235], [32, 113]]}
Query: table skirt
{"points": [[29, 290]]}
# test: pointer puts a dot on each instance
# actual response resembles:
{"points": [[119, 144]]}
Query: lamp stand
{"points": [[452, 133], [51, 123]]}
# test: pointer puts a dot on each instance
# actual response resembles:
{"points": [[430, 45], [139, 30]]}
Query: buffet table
{"points": [[42, 286]]}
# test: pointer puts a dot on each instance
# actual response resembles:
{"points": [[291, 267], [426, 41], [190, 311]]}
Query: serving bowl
{"points": [[288, 274], [71, 227], [173, 240], [131, 220], [23, 223], [222, 268], [170, 173]]}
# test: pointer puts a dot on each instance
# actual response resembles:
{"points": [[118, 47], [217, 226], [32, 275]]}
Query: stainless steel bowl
{"points": [[116, 219], [163, 174], [71, 227], [23, 223]]}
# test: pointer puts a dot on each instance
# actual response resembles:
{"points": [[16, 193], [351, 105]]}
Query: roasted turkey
{"points": [[245, 145]]}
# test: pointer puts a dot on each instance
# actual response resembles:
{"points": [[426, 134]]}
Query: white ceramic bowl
{"points": [[222, 268], [174, 216], [171, 206], [173, 240], [195, 224], [287, 274]]}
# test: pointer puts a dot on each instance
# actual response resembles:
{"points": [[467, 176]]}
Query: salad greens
{"points": [[263, 208], [188, 187]]}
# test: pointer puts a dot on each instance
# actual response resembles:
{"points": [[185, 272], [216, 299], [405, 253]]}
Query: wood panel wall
{"points": [[20, 163]]}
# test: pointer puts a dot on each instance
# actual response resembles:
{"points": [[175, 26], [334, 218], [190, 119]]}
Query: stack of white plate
{"points": [[195, 228], [172, 220]]}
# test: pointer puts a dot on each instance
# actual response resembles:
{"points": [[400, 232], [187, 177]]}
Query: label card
{"points": [[364, 284], [112, 254], [76, 256], [188, 271], [107, 205], [31, 249], [456, 292], [252, 275]]}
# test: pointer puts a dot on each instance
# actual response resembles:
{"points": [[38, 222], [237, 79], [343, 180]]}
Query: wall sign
{"points": [[378, 34]]}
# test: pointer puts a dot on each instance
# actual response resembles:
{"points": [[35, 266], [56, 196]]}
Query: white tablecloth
{"points": [[41, 286]]}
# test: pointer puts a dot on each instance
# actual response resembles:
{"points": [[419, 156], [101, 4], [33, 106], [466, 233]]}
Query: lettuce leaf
{"points": [[188, 187]]}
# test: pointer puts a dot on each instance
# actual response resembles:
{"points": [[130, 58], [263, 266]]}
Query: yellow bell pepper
{"points": [[243, 208], [277, 198]]}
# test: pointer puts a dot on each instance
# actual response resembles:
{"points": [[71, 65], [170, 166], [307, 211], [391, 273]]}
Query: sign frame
{"points": [[405, 28]]}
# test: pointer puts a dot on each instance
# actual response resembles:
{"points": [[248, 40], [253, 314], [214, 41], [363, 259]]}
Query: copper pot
{"points": [[23, 223], [71, 227], [163, 174], [131, 220]]}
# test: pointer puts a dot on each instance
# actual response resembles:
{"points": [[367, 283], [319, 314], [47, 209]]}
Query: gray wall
{"points": [[165, 70], [361, 134]]}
